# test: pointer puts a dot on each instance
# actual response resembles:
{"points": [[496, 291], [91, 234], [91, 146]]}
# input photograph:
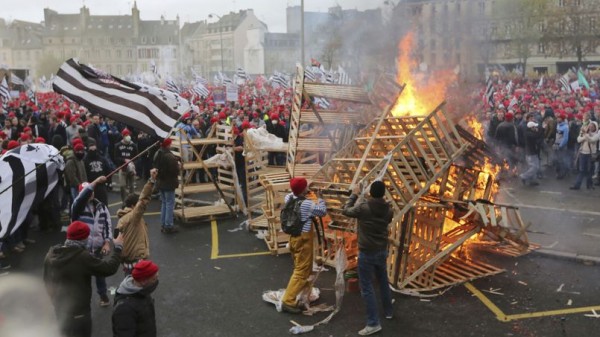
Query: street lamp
{"points": [[210, 16]]}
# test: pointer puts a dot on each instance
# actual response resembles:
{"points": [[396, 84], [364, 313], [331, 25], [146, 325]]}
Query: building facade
{"points": [[543, 36]]}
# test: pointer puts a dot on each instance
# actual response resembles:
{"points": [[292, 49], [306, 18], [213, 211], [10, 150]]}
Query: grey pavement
{"points": [[200, 296]]}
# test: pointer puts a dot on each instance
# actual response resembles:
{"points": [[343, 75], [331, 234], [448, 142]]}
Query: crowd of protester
{"points": [[544, 130], [93, 146]]}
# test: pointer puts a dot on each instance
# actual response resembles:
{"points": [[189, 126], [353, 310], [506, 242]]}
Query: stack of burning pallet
{"points": [[441, 185]]}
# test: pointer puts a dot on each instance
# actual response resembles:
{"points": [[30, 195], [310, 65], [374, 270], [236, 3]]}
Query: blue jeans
{"points": [[369, 264], [167, 205], [533, 167], [585, 170]]}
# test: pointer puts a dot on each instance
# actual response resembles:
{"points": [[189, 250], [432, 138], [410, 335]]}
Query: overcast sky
{"points": [[272, 12]]}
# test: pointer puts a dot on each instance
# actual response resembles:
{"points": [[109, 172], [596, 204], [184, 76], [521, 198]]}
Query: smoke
{"points": [[26, 310]]}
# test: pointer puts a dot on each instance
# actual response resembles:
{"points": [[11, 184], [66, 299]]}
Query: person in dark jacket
{"points": [[168, 170], [95, 166], [68, 270], [374, 215], [278, 130], [133, 311], [125, 151], [533, 140]]}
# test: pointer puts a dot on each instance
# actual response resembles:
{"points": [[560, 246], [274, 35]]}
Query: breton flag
{"points": [[280, 79], [329, 77], [509, 87], [488, 97], [343, 78], [150, 109], [322, 102], [171, 86], [223, 79], [198, 78], [21, 192], [4, 92], [309, 75], [564, 82], [14, 79], [513, 102], [241, 74], [200, 90]]}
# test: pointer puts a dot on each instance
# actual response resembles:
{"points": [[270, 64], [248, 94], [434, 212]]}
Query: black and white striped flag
{"points": [[19, 192], [488, 97], [14, 79], [198, 78], [509, 86], [309, 75], [224, 79], [241, 73], [280, 80], [322, 102], [150, 109], [343, 77], [200, 90], [171, 86], [329, 77], [4, 92], [565, 82]]}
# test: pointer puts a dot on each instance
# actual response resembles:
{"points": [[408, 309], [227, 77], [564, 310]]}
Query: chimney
{"points": [[162, 19], [135, 17]]}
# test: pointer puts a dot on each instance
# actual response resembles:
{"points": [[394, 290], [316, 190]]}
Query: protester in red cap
{"points": [[301, 244], [95, 214], [24, 139], [125, 151], [506, 139], [167, 181], [133, 313], [68, 269], [12, 144], [75, 169], [40, 140], [276, 129]]}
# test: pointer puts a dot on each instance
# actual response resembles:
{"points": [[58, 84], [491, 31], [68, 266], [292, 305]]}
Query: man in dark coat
{"points": [[168, 171], [133, 311], [374, 215], [95, 166], [68, 271]]}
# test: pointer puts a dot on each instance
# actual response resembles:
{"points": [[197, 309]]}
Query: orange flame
{"points": [[421, 95], [476, 127]]}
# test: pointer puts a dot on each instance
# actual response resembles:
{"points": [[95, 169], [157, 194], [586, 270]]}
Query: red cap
{"points": [[78, 147], [12, 144], [222, 115], [125, 132], [73, 119], [40, 140], [509, 117], [2, 135], [24, 137], [78, 230], [11, 115], [144, 270], [245, 125], [274, 116], [214, 120], [167, 142], [27, 129], [186, 116], [298, 185]]}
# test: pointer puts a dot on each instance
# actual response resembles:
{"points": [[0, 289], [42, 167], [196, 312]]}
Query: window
{"points": [[119, 70], [541, 48], [481, 7], [129, 53], [129, 68], [118, 52]]}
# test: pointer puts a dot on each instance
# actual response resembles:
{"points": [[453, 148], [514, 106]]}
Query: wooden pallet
{"points": [[202, 213]]}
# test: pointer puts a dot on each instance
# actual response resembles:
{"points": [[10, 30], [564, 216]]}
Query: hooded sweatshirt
{"points": [[135, 231], [68, 272], [374, 216], [588, 142], [133, 311]]}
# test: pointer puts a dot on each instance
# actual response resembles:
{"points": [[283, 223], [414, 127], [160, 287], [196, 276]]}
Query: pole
{"points": [[221, 37], [132, 159], [302, 31]]}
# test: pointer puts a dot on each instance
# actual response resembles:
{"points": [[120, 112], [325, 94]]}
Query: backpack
{"points": [[291, 223]]}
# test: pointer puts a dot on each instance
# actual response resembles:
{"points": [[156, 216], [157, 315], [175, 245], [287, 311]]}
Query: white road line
{"points": [[558, 209], [551, 192], [591, 234]]}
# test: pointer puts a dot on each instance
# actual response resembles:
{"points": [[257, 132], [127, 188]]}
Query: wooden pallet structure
{"points": [[314, 136], [191, 152]]}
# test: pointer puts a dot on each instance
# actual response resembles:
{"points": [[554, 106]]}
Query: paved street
{"points": [[221, 296]]}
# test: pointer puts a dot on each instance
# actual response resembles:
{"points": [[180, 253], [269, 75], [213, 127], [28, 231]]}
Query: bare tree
{"points": [[573, 28]]}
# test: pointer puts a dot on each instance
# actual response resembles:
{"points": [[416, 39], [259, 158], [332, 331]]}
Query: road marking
{"points": [[591, 234], [501, 316], [115, 204], [214, 253], [551, 192], [557, 209], [486, 301]]}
